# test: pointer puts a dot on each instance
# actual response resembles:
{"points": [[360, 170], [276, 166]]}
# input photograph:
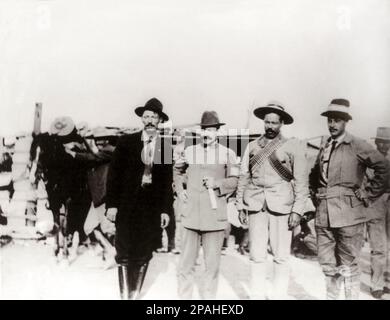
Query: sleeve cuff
{"points": [[219, 189], [298, 211], [239, 206]]}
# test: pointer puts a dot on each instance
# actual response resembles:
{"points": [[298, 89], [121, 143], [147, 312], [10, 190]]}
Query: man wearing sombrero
{"points": [[378, 225], [69, 176], [210, 172], [272, 190], [139, 196], [342, 199]]}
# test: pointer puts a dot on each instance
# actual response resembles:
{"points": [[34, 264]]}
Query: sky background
{"points": [[96, 60]]}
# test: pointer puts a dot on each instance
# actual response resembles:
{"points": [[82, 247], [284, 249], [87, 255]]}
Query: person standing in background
{"points": [[378, 225]]}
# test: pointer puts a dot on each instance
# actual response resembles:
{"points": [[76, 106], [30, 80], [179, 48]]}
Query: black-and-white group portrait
{"points": [[195, 150]]}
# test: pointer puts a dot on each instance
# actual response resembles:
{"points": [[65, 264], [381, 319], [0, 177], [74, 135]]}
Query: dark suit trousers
{"points": [[138, 230]]}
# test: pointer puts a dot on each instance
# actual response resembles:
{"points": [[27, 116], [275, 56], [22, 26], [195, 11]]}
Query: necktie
{"points": [[334, 142], [148, 156]]}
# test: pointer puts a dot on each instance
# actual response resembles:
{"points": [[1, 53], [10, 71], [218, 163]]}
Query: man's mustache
{"points": [[269, 131], [150, 126]]}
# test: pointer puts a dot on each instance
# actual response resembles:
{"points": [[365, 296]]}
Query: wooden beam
{"points": [[37, 118]]}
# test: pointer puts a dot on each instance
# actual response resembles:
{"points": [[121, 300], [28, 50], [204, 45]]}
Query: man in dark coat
{"points": [[139, 197], [96, 225], [70, 175]]}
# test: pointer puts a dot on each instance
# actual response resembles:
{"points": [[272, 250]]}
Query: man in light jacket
{"points": [[272, 191], [342, 200], [210, 172]]}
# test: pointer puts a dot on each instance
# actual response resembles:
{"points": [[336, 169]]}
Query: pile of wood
{"points": [[26, 210], [22, 202]]}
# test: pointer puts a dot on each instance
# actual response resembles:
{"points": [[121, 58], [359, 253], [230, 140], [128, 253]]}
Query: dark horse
{"points": [[66, 187]]}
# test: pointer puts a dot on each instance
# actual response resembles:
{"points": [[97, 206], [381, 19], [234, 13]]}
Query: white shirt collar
{"points": [[145, 136], [214, 145]]}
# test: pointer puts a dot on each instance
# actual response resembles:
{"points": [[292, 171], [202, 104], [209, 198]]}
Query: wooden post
{"points": [[31, 205], [37, 118]]}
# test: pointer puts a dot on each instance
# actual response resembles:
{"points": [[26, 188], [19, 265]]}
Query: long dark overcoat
{"points": [[138, 224]]}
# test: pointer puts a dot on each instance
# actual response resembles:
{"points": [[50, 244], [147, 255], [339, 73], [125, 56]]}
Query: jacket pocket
{"points": [[221, 212], [222, 217], [183, 208], [253, 199], [353, 201]]}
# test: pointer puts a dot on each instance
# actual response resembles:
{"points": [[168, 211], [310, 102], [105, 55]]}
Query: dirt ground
{"points": [[28, 270]]}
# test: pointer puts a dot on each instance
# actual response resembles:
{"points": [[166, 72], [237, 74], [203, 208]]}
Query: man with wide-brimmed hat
{"points": [[97, 160], [63, 127], [139, 196], [342, 199], [67, 175], [271, 196], [378, 225], [210, 172]]}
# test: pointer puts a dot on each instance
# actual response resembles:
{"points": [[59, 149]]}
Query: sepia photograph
{"points": [[182, 150]]}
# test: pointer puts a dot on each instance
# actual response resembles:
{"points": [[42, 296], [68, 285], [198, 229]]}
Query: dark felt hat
{"points": [[152, 105], [210, 119]]}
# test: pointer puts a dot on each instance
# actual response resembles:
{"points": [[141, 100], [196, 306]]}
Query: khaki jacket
{"points": [[337, 204], [379, 207], [265, 187], [196, 163]]}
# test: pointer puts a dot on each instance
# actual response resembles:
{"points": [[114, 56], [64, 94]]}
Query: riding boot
{"points": [[352, 287], [139, 277], [333, 286], [124, 282]]}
